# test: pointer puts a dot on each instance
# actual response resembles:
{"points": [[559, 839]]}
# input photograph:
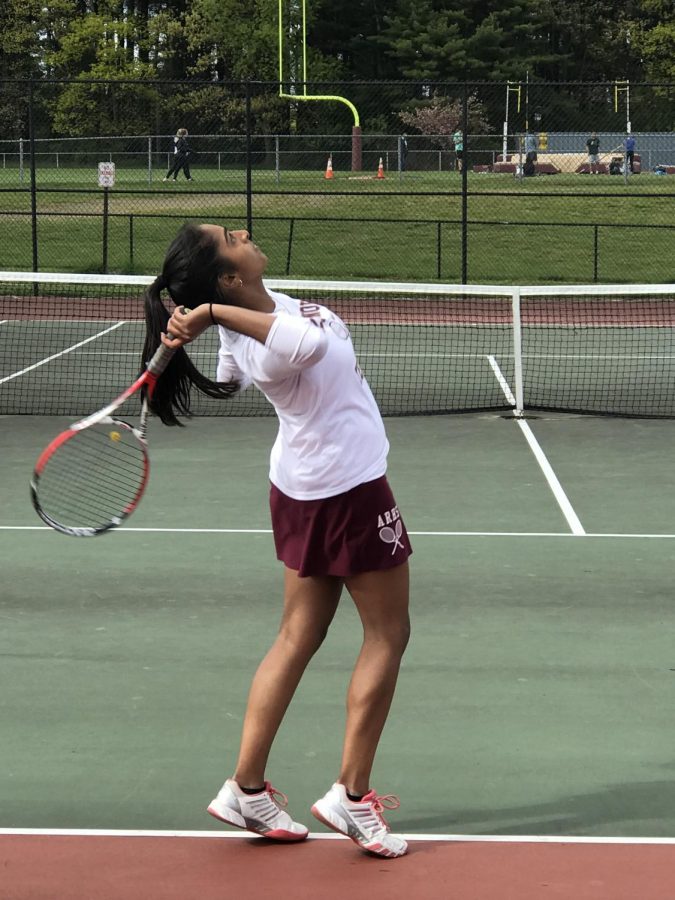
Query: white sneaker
{"points": [[362, 820], [262, 813]]}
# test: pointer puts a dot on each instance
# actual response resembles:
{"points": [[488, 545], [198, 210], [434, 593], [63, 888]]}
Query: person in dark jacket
{"points": [[181, 156]]}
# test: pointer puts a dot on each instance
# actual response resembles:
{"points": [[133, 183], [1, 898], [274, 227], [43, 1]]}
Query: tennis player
{"points": [[335, 520]]}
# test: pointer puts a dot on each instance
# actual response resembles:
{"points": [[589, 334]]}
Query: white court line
{"points": [[47, 359], [515, 534], [323, 836], [503, 383], [561, 497]]}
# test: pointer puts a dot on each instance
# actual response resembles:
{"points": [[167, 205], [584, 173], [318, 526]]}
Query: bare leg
{"points": [[381, 599], [309, 606]]}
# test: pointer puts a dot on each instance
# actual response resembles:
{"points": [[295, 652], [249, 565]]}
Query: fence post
{"points": [[33, 182], [149, 160], [21, 173], [595, 254], [249, 183], [438, 250], [290, 246], [277, 158], [105, 230], [131, 240], [465, 169]]}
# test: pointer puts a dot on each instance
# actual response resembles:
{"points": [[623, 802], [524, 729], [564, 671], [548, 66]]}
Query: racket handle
{"points": [[160, 360], [163, 354]]}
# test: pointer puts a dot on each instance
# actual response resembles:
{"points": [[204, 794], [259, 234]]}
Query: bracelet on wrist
{"points": [[213, 319]]}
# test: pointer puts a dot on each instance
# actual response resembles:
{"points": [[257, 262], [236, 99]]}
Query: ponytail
{"points": [[197, 267]]}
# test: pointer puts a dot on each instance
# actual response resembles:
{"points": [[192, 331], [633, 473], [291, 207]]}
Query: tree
{"points": [[589, 40], [346, 35], [100, 46], [652, 31], [454, 40], [233, 39], [426, 43], [443, 116]]}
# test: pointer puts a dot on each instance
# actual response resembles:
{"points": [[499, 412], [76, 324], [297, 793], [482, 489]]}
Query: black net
{"points": [[69, 348], [600, 353]]}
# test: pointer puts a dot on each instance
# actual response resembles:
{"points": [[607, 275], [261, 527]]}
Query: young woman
{"points": [[335, 520]]}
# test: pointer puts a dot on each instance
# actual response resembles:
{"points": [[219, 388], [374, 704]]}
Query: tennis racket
{"points": [[91, 477]]}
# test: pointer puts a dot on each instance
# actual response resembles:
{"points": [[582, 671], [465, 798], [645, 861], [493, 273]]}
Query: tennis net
{"points": [[70, 343]]}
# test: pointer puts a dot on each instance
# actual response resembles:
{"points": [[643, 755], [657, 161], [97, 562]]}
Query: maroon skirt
{"points": [[358, 531]]}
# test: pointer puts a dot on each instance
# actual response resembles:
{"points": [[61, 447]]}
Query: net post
{"points": [[517, 352]]}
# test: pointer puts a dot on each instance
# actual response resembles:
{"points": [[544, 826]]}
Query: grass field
{"points": [[564, 228]]}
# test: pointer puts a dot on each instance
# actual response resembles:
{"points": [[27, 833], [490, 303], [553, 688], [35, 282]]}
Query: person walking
{"points": [[335, 521], [181, 157]]}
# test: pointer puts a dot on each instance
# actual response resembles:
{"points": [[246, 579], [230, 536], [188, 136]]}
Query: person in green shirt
{"points": [[458, 141]]}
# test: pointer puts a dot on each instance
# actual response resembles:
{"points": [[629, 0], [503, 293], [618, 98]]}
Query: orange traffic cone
{"points": [[329, 168], [380, 169]]}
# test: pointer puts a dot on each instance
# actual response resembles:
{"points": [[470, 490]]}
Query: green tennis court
{"points": [[534, 696]]}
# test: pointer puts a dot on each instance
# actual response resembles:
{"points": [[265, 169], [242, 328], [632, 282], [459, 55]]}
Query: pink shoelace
{"points": [[387, 801], [276, 796]]}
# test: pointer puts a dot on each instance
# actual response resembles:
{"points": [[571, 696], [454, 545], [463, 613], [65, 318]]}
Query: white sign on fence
{"points": [[106, 174]]}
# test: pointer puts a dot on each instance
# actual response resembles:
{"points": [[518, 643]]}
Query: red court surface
{"points": [[183, 867]]}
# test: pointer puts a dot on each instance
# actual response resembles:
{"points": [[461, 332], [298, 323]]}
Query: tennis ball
{"points": [[115, 436]]}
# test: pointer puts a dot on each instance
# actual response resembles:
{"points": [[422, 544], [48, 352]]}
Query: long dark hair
{"points": [[191, 271]]}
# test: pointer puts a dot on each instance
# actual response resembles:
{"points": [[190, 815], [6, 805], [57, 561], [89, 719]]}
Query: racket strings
{"points": [[94, 478], [126, 461], [84, 510]]}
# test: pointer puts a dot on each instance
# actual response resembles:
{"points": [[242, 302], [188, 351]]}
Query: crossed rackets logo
{"points": [[392, 535]]}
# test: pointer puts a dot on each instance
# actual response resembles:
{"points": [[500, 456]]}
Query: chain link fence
{"points": [[459, 183]]}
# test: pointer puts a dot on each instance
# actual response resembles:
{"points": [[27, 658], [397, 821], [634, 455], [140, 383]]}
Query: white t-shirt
{"points": [[331, 436]]}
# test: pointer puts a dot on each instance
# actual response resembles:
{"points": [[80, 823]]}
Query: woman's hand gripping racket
{"points": [[93, 475]]}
